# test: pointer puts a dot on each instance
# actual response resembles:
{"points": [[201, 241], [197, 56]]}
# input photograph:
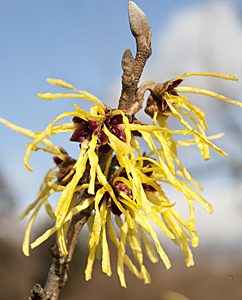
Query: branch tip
{"points": [[133, 67], [139, 24]]}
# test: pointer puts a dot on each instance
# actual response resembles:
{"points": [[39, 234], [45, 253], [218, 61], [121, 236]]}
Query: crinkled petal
{"points": [[66, 196], [85, 95], [149, 250], [185, 89], [115, 240], [186, 143], [207, 206], [61, 240], [121, 253], [93, 160], [203, 139], [144, 222], [218, 75], [181, 235], [167, 134], [138, 254], [25, 246], [97, 224]]}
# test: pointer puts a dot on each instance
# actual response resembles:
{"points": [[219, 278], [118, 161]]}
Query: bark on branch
{"points": [[58, 272], [133, 67]]}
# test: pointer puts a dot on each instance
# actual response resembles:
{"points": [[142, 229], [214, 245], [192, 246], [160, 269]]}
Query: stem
{"points": [[58, 272], [133, 67], [137, 104]]}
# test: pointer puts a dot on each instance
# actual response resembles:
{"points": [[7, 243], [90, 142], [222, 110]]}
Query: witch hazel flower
{"points": [[117, 182], [112, 186], [85, 129], [156, 100]]}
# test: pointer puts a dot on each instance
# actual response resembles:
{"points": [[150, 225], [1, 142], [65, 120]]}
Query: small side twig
{"points": [[37, 293], [137, 103]]}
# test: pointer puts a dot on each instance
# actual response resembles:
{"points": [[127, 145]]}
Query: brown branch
{"points": [[58, 273], [137, 104], [133, 67], [37, 293]]}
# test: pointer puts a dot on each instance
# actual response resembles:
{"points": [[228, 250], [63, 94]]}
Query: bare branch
{"points": [[133, 68], [137, 104], [139, 25], [58, 273]]}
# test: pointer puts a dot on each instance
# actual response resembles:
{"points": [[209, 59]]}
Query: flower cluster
{"points": [[117, 179], [85, 129]]}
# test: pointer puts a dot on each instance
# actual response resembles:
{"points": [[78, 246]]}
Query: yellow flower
{"points": [[117, 179]]}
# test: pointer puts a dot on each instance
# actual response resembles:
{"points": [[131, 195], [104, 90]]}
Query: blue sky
{"points": [[81, 42]]}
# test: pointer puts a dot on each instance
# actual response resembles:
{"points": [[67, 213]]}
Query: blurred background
{"points": [[82, 42]]}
